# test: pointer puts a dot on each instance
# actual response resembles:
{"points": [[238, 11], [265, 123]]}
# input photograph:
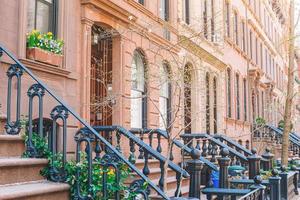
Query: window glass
{"points": [[41, 15], [137, 91]]}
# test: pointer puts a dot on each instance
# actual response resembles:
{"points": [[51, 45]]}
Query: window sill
{"points": [[47, 68]]}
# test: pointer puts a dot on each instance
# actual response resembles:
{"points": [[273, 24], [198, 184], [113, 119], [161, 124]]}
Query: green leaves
{"points": [[44, 41], [98, 171]]}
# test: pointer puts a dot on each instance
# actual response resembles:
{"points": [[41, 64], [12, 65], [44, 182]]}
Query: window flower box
{"points": [[44, 48], [43, 56]]}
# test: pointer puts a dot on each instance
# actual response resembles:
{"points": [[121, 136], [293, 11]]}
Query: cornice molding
{"points": [[111, 9], [201, 53]]}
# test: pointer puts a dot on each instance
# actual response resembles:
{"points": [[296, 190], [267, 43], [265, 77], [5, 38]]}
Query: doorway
{"points": [[101, 100]]}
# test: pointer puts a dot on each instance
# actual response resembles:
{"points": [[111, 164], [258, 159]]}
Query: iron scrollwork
{"points": [[13, 127]]}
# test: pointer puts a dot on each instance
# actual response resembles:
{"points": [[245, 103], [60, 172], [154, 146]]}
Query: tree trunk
{"points": [[290, 91]]}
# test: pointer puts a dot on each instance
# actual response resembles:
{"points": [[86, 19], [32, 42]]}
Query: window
{"points": [[187, 98], [42, 15], [164, 98], [256, 51], [228, 92], [251, 45], [243, 37], [164, 14], [236, 29], [266, 61], [237, 86], [227, 19], [253, 101], [141, 2], [138, 91], [261, 56], [213, 20], [187, 11], [215, 106], [205, 25], [257, 104], [207, 103], [245, 100], [262, 104]]}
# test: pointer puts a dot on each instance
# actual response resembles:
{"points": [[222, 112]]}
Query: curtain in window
{"points": [[164, 98], [42, 15], [137, 90]]}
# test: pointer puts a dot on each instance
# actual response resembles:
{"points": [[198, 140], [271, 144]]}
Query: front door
{"points": [[101, 77]]}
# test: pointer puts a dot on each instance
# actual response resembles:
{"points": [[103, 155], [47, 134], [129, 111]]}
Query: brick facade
{"points": [[140, 27]]}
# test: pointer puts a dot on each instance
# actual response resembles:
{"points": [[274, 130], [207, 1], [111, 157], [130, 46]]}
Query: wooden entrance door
{"points": [[101, 77]]}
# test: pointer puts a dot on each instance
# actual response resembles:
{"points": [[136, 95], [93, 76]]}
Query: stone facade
{"points": [[219, 39]]}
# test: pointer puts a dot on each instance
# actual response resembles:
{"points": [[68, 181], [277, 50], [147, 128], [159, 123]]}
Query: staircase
{"points": [[20, 177]]}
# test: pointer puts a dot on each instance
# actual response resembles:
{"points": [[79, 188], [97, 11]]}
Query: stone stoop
{"points": [[20, 178], [2, 121], [154, 176]]}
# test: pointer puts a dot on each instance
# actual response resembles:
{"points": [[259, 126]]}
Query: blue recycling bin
{"points": [[215, 179]]}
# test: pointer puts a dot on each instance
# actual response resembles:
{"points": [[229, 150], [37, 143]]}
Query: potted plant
{"points": [[44, 48]]}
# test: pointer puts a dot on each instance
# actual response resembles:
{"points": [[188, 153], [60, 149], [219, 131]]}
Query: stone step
{"points": [[2, 123], [11, 146], [172, 184], [155, 173], [38, 190], [17, 170], [171, 193], [152, 163]]}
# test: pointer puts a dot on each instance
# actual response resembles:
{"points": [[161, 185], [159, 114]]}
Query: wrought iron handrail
{"points": [[256, 194], [143, 145], [62, 109], [177, 142], [292, 134], [280, 132], [234, 143], [217, 142]]}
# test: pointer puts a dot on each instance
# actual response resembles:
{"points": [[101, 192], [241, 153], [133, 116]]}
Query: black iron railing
{"points": [[159, 133], [87, 140], [238, 147], [210, 146], [146, 152], [274, 134]]}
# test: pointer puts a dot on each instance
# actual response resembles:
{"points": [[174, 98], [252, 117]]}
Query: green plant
{"points": [[98, 171], [44, 41], [259, 121], [281, 124], [265, 174], [40, 144]]}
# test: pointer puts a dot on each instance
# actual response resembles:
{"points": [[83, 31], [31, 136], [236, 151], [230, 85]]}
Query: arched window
{"points": [[205, 19], [237, 88], [138, 91], [187, 98], [228, 88], [247, 144], [215, 105], [207, 83], [240, 142], [245, 100], [227, 18], [165, 98], [236, 29], [212, 25], [253, 105], [262, 104]]}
